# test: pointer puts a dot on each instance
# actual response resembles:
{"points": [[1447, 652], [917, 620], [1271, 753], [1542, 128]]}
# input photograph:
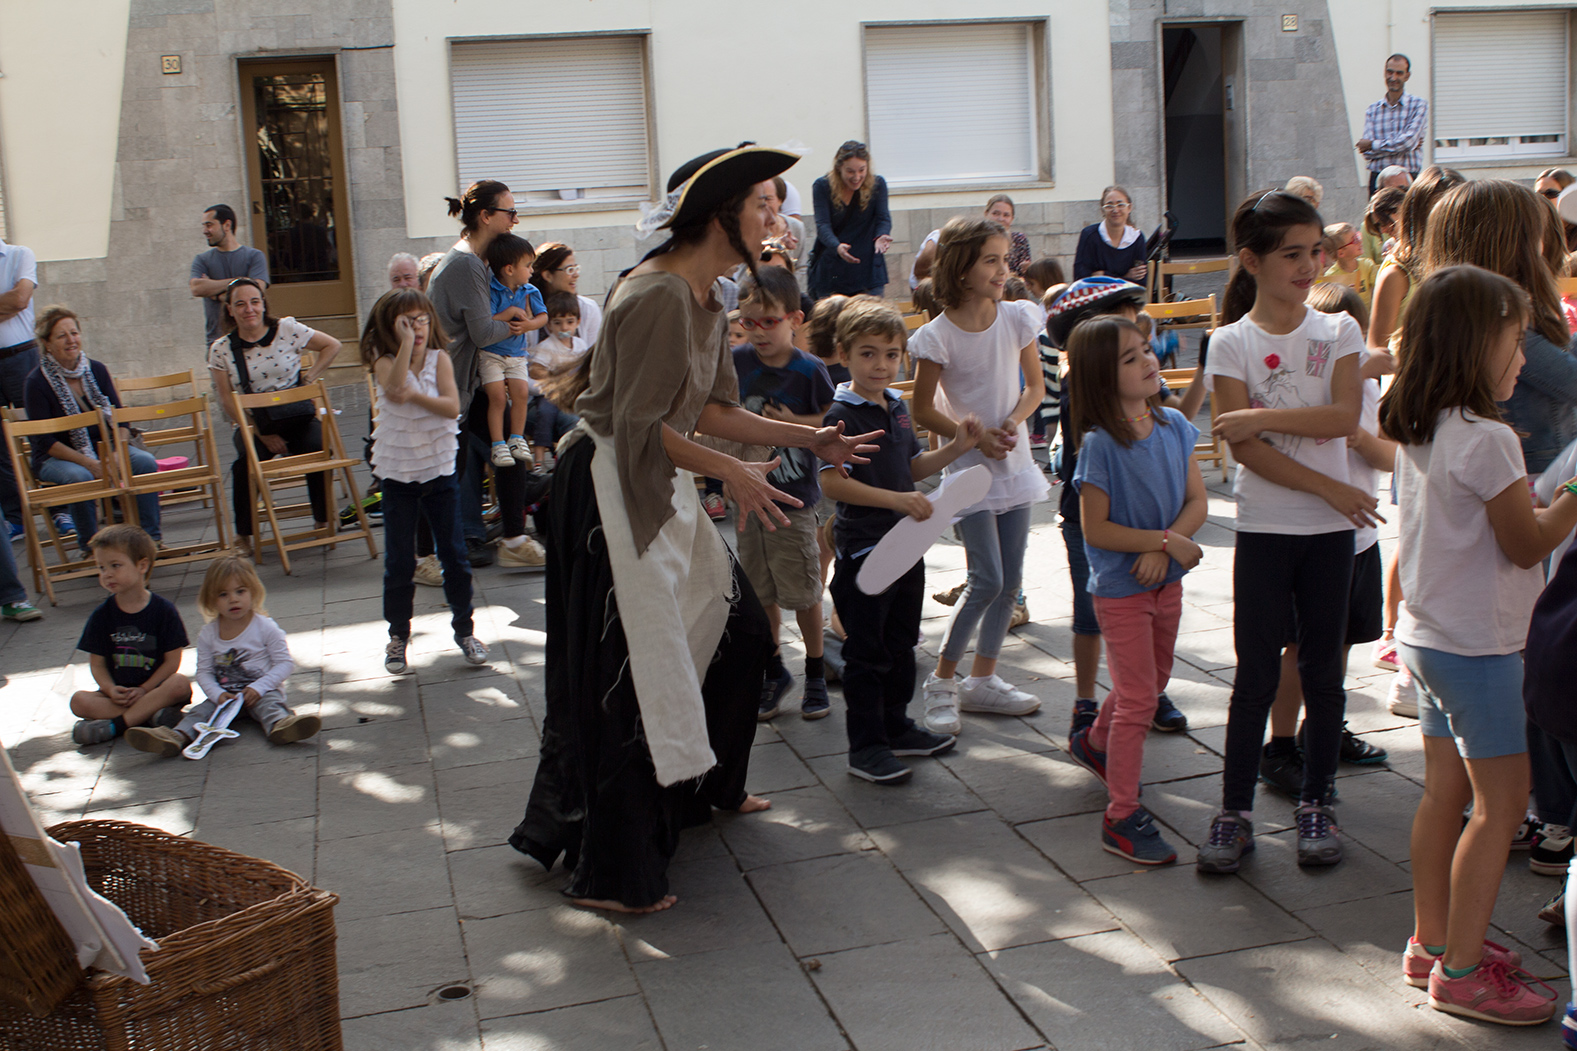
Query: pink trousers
{"points": [[1140, 633]]}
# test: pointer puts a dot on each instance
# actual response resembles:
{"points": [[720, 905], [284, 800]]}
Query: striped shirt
{"points": [[1397, 132]]}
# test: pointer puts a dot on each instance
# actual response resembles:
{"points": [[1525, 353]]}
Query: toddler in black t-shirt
{"points": [[134, 639]]}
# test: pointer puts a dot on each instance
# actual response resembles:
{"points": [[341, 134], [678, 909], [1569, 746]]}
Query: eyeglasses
{"points": [[763, 323], [1117, 207], [1551, 193], [422, 320], [514, 214], [572, 270]]}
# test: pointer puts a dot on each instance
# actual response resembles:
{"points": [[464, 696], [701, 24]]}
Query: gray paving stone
{"points": [[1222, 913], [988, 885], [716, 910], [381, 800], [811, 738], [920, 995], [690, 999], [497, 880], [485, 814], [545, 958], [449, 1026], [933, 791], [804, 823], [1377, 809], [385, 873], [842, 902], [1107, 991], [378, 970], [291, 843], [375, 745], [622, 1023], [1274, 872], [1073, 844], [1030, 787], [774, 768]]}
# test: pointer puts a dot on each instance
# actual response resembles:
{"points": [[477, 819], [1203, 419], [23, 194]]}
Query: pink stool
{"points": [[173, 463]]}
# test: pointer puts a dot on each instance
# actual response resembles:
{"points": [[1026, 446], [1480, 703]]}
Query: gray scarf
{"points": [[57, 375]]}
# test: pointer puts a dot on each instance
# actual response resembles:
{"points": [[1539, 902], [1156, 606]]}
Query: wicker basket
{"points": [[245, 963], [38, 966]]}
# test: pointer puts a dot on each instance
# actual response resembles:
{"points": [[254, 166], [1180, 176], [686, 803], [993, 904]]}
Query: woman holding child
{"points": [[656, 645]]}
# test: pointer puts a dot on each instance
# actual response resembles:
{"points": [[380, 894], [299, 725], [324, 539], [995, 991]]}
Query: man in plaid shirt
{"points": [[1393, 128]]}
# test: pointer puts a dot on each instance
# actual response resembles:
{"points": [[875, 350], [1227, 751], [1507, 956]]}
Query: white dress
{"points": [[409, 443]]}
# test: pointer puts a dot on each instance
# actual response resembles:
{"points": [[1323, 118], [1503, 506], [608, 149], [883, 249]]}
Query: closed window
{"points": [[555, 118], [955, 102], [1501, 84]]}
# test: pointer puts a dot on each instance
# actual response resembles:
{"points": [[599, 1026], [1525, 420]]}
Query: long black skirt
{"points": [[596, 800]]}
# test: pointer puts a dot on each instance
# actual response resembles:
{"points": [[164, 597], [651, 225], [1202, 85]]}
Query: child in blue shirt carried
{"points": [[878, 652], [502, 366]]}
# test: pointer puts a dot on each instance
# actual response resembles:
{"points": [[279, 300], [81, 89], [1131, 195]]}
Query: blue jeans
{"points": [[85, 515], [994, 549], [1554, 765], [403, 503], [1085, 621]]}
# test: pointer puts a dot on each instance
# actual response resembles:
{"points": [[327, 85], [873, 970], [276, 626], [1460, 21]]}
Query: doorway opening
{"points": [[298, 190], [1203, 130]]}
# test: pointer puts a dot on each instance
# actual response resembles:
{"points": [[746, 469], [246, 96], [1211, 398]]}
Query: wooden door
{"points": [[298, 190]]}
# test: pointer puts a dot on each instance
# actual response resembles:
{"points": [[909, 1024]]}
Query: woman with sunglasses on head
{"points": [[459, 291], [557, 271], [656, 644], [1112, 247], [852, 227]]}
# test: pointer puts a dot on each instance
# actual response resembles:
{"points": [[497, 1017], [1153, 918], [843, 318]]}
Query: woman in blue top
{"points": [[852, 227], [1112, 247]]}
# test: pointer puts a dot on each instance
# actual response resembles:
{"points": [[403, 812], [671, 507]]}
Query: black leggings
{"points": [[1275, 575], [302, 434]]}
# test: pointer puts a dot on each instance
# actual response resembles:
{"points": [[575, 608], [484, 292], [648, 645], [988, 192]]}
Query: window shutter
{"points": [[951, 103], [1501, 73], [553, 118]]}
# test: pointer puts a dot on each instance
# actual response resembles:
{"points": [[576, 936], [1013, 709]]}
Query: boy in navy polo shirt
{"points": [[781, 382], [878, 652]]}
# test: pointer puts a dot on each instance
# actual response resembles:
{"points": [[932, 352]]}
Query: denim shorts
{"points": [[1476, 700]]}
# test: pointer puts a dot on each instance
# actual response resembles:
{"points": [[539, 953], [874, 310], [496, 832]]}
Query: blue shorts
{"points": [[1476, 700]]}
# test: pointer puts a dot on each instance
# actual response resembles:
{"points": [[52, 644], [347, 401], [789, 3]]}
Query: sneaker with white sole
{"points": [[1385, 656], [1418, 961], [996, 697], [915, 741], [878, 766], [1402, 699], [1319, 837], [429, 572], [501, 456], [474, 649], [941, 706], [394, 655], [1231, 836], [20, 612], [520, 449], [1136, 838], [527, 554], [1551, 853], [1493, 992]]}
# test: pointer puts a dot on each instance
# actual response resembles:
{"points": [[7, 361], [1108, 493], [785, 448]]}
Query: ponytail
{"points": [[479, 197], [1260, 225]]}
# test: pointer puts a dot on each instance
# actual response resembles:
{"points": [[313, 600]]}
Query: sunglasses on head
{"points": [[1551, 193]]}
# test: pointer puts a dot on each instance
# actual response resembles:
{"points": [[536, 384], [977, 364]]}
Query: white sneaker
{"points": [[996, 697], [429, 572], [501, 456], [526, 554], [519, 449], [941, 706], [1403, 698]]}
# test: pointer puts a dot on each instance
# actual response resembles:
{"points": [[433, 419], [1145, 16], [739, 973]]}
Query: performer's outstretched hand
{"points": [[840, 449], [748, 488]]}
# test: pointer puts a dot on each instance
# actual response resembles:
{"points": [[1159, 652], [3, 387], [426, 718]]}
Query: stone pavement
{"points": [[970, 910]]}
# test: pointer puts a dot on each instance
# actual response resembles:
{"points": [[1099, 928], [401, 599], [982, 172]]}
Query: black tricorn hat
{"points": [[716, 177]]}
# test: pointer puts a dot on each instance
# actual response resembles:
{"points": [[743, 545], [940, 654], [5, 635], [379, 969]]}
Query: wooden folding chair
{"points": [[201, 479], [40, 498], [1209, 448], [1187, 313], [1159, 272], [269, 476], [151, 390], [160, 388]]}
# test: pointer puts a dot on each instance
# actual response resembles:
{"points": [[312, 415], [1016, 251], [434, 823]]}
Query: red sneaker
{"points": [[714, 507], [1493, 992], [1417, 961]]}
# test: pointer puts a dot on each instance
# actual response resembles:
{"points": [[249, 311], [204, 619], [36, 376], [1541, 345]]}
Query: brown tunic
{"points": [[660, 358]]}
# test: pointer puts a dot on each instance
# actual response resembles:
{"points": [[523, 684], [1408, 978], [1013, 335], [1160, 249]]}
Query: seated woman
{"points": [[65, 383], [270, 349]]}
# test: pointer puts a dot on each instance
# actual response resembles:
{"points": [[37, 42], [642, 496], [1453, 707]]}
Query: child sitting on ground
{"points": [[134, 639], [1344, 247], [503, 366], [878, 651], [560, 348], [240, 652], [781, 382]]}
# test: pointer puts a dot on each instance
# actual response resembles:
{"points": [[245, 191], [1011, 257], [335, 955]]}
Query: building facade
{"points": [[335, 128]]}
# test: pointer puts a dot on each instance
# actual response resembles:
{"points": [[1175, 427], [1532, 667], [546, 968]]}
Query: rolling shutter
{"points": [[553, 117], [1500, 74], [935, 112]]}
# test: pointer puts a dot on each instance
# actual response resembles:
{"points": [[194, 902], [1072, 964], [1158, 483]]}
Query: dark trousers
{"points": [[302, 434], [878, 654], [546, 422], [1275, 577], [1554, 766], [403, 503], [14, 370], [509, 483]]}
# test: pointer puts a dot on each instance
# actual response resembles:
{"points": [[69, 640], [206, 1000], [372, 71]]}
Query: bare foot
{"points": [[753, 804], [618, 906]]}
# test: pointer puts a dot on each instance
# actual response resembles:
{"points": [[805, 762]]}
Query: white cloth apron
{"points": [[673, 602]]}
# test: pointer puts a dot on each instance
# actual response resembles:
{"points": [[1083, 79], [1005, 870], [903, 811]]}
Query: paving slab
{"points": [[382, 800], [622, 1023], [1030, 787], [1073, 844], [385, 873], [1222, 913], [803, 823], [1105, 991], [378, 972], [755, 998], [498, 880], [842, 902], [441, 1026], [933, 791], [545, 958], [716, 910], [1276, 874], [925, 994]]}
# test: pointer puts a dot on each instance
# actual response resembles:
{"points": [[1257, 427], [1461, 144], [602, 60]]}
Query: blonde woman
{"points": [[852, 227]]}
